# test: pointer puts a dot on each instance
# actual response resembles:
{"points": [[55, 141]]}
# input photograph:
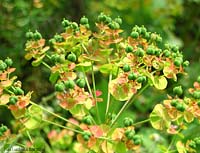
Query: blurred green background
{"points": [[178, 22]]}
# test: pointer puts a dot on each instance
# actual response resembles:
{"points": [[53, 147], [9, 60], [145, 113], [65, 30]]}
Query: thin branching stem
{"points": [[90, 91], [7, 90], [85, 49], [54, 114], [108, 96], [172, 142], [64, 127], [46, 65], [141, 122], [29, 136], [87, 83], [94, 92], [48, 56]]}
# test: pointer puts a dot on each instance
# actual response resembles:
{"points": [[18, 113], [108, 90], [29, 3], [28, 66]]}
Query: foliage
{"points": [[155, 15], [74, 58], [169, 18], [189, 33], [17, 17]]}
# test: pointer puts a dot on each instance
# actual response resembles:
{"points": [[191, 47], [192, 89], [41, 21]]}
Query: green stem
{"points": [[54, 114], [64, 127], [128, 103], [172, 142], [46, 65], [108, 97], [90, 91], [121, 111], [141, 122], [84, 48], [48, 56], [29, 136], [21, 145], [10, 92], [95, 97], [74, 130], [87, 83]]}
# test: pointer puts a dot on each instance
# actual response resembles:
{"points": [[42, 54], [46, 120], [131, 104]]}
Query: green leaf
{"points": [[159, 118], [28, 56], [188, 116], [169, 72], [4, 99], [106, 52], [18, 113], [78, 111], [54, 77], [35, 117], [84, 66], [107, 147], [120, 147], [162, 148], [120, 92], [38, 61], [107, 68], [39, 142], [160, 82], [180, 147]]}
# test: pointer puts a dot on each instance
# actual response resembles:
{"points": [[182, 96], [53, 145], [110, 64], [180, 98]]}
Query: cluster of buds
{"points": [[177, 111], [16, 100], [189, 146], [132, 63]]}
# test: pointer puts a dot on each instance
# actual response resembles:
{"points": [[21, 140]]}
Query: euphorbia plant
{"points": [[131, 64]]}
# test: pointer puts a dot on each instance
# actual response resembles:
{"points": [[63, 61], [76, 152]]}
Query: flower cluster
{"points": [[14, 98], [132, 63], [189, 146]]}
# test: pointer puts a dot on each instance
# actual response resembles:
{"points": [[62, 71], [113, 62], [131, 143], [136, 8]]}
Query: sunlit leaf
{"points": [[107, 147], [78, 111], [170, 72], [160, 82], [38, 61], [84, 66], [106, 52], [118, 134], [188, 116], [18, 113], [28, 56], [120, 147], [6, 83], [4, 99], [180, 147], [109, 68], [88, 103], [120, 92], [35, 117], [45, 49], [159, 118]]}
